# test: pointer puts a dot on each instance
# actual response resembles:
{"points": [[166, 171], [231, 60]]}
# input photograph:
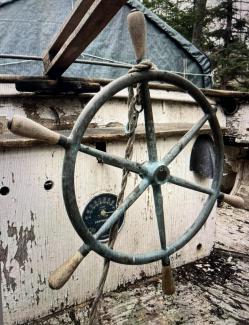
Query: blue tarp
{"points": [[28, 26]]}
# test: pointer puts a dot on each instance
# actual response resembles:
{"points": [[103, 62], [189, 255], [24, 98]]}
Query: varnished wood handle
{"points": [[27, 128], [62, 274], [168, 284], [233, 200], [137, 29]]}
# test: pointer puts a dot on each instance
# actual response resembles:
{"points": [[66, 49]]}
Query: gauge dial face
{"points": [[98, 210]]}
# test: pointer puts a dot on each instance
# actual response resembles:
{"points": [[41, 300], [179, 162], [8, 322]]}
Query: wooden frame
{"points": [[86, 21]]}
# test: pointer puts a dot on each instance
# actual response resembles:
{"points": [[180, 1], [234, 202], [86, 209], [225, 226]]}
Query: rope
{"points": [[143, 66], [133, 114]]}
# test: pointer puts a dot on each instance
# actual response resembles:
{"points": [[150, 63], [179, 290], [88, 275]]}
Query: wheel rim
{"points": [[71, 154]]}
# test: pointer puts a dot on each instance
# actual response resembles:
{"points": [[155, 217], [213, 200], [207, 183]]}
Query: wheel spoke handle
{"points": [[168, 284], [137, 30], [63, 273], [27, 128], [233, 200]]}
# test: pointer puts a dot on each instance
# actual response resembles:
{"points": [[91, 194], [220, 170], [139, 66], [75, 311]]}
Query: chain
{"points": [[134, 101]]}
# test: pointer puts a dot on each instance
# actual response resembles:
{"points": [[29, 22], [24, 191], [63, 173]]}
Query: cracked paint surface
{"points": [[23, 237], [10, 281]]}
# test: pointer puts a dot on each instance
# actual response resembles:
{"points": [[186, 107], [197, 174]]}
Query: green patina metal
{"points": [[153, 173]]}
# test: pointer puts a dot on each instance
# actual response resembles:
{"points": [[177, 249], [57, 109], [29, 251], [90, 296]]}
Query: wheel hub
{"points": [[157, 172], [161, 174]]}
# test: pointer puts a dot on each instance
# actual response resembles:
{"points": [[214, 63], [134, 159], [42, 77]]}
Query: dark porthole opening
{"points": [[199, 247], [4, 190], [48, 185], [202, 159], [102, 147]]}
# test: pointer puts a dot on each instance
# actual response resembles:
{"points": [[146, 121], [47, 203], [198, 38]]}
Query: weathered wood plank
{"points": [[79, 10], [38, 235], [90, 21], [213, 290], [234, 222], [57, 86], [7, 78], [107, 134], [208, 92], [238, 125], [26, 290]]}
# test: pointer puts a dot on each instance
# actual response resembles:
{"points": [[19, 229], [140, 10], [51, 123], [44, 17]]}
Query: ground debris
{"points": [[214, 290], [214, 269]]}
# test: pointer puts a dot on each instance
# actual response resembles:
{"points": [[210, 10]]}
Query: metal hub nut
{"points": [[161, 174]]}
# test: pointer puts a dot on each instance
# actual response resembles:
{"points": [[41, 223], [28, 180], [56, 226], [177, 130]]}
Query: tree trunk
{"points": [[227, 40], [229, 18], [200, 12]]}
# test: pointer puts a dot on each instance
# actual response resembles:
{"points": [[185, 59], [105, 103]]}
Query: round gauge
{"points": [[98, 210]]}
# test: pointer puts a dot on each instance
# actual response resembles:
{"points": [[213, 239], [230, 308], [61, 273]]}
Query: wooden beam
{"points": [[87, 20], [105, 134], [57, 86], [208, 92], [10, 79], [79, 10]]}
